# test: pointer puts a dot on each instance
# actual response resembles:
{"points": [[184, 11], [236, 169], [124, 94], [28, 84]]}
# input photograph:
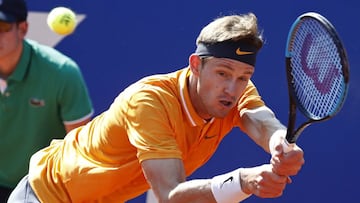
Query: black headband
{"points": [[237, 50]]}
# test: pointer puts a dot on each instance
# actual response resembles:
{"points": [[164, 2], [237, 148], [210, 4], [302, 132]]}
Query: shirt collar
{"points": [[188, 107]]}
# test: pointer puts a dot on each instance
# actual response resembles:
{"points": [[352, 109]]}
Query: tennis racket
{"points": [[317, 71]]}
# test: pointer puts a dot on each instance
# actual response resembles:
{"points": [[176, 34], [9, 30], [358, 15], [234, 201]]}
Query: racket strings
{"points": [[316, 70]]}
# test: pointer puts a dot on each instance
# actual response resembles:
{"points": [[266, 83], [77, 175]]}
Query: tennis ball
{"points": [[62, 20]]}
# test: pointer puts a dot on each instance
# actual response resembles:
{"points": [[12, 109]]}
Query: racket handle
{"points": [[287, 147]]}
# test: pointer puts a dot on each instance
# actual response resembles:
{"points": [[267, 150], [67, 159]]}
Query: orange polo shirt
{"points": [[153, 118]]}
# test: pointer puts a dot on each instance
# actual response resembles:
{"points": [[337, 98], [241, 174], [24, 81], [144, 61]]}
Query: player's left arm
{"points": [[168, 182], [261, 125]]}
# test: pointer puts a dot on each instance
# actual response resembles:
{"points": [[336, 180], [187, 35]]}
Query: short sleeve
{"points": [[73, 98], [149, 126], [250, 98]]}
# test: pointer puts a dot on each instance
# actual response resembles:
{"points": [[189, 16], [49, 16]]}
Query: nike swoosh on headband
{"points": [[240, 53]]}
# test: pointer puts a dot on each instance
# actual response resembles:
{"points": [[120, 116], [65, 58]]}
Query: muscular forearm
{"points": [[261, 124], [172, 187], [168, 182], [222, 188], [192, 191], [267, 131]]}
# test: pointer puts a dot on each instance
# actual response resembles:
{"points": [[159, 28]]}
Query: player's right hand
{"points": [[289, 163]]}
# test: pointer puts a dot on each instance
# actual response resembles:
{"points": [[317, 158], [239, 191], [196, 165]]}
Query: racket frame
{"points": [[292, 134]]}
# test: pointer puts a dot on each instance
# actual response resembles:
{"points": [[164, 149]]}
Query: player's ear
{"points": [[195, 63]]}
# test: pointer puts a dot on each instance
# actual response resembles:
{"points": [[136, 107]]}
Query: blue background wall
{"points": [[121, 41]]}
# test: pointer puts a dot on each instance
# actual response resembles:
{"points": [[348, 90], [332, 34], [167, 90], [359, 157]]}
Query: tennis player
{"points": [[162, 128]]}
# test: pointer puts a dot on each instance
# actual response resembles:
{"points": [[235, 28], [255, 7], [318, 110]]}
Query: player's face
{"points": [[221, 82], [11, 36]]}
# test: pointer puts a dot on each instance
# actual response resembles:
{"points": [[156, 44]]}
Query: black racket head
{"points": [[317, 67]]}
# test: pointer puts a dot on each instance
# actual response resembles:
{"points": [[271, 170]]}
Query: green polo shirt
{"points": [[45, 91]]}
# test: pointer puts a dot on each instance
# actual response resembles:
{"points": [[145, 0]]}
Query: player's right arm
{"points": [[168, 181], [261, 125]]}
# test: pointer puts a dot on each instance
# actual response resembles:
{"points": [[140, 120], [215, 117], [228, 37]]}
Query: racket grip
{"points": [[287, 147]]}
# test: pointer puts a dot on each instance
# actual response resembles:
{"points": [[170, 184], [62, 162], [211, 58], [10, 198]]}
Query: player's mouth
{"points": [[226, 103]]}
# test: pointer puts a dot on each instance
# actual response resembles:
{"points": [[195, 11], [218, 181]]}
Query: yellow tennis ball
{"points": [[62, 20]]}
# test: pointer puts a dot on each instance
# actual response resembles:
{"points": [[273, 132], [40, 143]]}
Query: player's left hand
{"points": [[289, 163]]}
